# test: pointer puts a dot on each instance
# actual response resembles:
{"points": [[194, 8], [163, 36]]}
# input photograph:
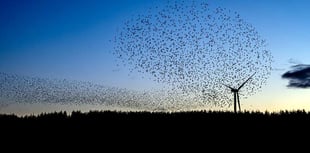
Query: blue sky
{"points": [[70, 39]]}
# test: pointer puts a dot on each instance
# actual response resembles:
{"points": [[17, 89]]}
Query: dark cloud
{"points": [[299, 76]]}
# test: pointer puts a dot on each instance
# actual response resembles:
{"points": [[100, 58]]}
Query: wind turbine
{"points": [[236, 93]]}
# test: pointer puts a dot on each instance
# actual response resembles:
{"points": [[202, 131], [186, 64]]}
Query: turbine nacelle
{"points": [[234, 90]]}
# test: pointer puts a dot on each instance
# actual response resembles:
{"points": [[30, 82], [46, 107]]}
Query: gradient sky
{"points": [[70, 39]]}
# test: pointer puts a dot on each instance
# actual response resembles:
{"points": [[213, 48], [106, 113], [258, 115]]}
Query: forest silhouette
{"points": [[200, 126], [202, 119]]}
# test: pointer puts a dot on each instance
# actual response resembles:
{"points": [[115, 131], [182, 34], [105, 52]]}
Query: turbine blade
{"points": [[246, 81], [227, 86]]}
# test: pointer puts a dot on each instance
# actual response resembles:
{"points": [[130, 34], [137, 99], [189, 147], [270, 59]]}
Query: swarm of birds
{"points": [[24, 89], [194, 49], [17, 89], [190, 47]]}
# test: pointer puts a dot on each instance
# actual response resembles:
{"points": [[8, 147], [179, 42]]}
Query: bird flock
{"points": [[194, 49], [189, 46], [17, 89]]}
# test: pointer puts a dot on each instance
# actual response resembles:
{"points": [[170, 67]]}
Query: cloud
{"points": [[278, 69], [294, 61], [299, 76]]}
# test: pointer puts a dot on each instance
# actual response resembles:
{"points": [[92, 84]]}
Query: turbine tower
{"points": [[236, 93]]}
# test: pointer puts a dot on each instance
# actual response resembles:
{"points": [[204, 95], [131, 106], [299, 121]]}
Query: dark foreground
{"points": [[163, 128], [226, 121]]}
